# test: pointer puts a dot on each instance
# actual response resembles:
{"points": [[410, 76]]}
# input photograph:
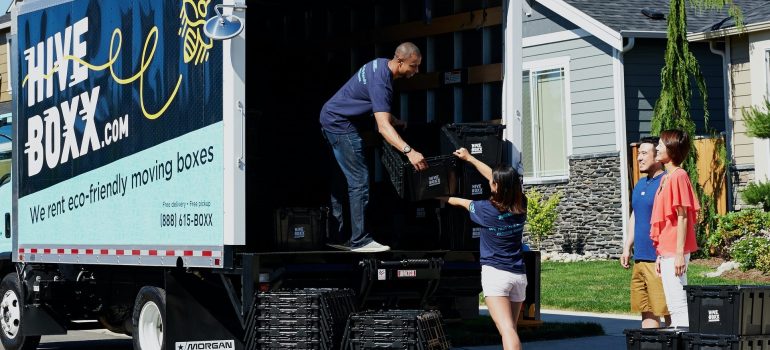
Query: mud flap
{"points": [[199, 314]]}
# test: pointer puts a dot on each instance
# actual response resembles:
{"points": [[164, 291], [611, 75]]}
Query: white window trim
{"points": [[552, 63]]}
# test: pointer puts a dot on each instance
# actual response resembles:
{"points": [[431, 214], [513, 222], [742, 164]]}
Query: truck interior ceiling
{"points": [[299, 53]]}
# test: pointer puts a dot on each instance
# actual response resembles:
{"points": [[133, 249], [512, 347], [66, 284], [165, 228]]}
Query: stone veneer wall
{"points": [[741, 176], [590, 213]]}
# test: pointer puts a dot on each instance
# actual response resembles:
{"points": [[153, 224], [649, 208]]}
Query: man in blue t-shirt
{"points": [[369, 91], [647, 295]]}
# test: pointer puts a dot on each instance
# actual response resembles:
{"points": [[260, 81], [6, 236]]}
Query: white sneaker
{"points": [[372, 247]]}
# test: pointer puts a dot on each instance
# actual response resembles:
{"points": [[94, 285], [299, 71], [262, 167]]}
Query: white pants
{"points": [[673, 287]]}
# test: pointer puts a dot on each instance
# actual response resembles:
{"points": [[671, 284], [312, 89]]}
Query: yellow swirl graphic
{"points": [[152, 39]]}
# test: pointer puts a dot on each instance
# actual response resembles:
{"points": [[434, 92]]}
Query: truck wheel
{"points": [[11, 306], [149, 318]]}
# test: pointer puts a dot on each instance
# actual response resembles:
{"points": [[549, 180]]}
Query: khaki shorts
{"points": [[647, 290]]}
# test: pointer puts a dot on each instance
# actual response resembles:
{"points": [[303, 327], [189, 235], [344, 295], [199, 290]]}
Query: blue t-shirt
{"points": [[641, 203], [500, 236], [368, 91]]}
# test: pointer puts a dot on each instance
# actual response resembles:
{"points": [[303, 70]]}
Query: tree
{"points": [[672, 110]]}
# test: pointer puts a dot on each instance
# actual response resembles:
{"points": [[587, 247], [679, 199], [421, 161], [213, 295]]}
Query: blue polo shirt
{"points": [[641, 203], [500, 236], [369, 91]]}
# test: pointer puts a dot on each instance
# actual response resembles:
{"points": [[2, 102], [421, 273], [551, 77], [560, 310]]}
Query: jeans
{"points": [[673, 287], [349, 181]]}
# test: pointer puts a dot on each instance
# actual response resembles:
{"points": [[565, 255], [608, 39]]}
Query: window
{"points": [[545, 139]]}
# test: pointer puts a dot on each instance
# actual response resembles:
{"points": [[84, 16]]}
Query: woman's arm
{"points": [[459, 202], [681, 233], [484, 169]]}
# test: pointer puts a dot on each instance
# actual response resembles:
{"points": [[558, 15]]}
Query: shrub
{"points": [[734, 225], [757, 121], [746, 250], [542, 215], [757, 193], [763, 259]]}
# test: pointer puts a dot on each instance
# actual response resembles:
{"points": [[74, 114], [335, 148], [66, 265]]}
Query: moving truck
{"points": [[150, 160]]}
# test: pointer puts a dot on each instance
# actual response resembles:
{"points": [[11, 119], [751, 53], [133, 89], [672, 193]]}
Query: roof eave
{"points": [[586, 22], [643, 34], [715, 34]]}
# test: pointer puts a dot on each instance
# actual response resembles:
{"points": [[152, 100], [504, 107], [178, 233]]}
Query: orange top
{"points": [[675, 191]]}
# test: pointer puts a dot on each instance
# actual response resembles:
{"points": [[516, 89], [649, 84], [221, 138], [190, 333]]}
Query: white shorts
{"points": [[500, 283]]}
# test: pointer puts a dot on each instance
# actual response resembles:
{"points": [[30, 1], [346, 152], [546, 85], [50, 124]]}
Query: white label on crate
{"points": [[434, 180], [381, 275], [477, 189], [299, 232], [476, 232], [406, 273], [419, 213], [453, 77], [713, 315], [476, 148], [205, 345]]}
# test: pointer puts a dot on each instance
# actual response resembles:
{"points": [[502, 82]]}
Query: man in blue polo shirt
{"points": [[369, 91], [647, 295]]}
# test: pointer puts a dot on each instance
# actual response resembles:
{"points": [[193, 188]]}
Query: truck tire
{"points": [[11, 323], [149, 319]]}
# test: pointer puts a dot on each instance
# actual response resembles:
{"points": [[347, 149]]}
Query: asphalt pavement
{"points": [[612, 324]]}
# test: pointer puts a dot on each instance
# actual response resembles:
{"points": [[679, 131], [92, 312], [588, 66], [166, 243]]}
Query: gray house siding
{"points": [[591, 91], [642, 84], [544, 21]]}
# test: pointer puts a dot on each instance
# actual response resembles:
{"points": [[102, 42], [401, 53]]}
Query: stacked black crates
{"points": [[720, 317], [299, 319], [485, 142], [396, 329], [728, 317]]}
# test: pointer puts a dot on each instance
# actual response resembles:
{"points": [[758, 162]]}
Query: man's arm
{"points": [[629, 242], [391, 136]]}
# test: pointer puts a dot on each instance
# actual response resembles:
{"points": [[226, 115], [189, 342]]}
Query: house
{"points": [[747, 69], [591, 79]]}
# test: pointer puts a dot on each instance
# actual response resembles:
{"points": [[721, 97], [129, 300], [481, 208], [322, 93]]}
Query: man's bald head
{"points": [[406, 50]]}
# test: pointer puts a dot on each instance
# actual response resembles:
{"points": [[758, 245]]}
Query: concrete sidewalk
{"points": [[612, 324]]}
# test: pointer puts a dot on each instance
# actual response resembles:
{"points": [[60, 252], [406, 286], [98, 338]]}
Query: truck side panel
{"points": [[120, 134]]}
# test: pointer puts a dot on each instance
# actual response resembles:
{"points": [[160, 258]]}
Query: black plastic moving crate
{"points": [[697, 341], [300, 228], [438, 180], [299, 319], [729, 310], [473, 185], [654, 339], [416, 225], [458, 231], [396, 329], [483, 140]]}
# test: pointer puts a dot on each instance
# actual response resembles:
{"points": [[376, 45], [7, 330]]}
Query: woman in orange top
{"points": [[674, 214]]}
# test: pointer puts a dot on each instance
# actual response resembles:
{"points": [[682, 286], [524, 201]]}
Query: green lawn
{"points": [[599, 286]]}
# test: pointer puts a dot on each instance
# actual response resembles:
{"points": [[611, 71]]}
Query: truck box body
{"points": [[132, 130], [122, 151]]}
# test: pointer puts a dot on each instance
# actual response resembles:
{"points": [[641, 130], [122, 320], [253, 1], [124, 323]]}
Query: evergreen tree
{"points": [[672, 110]]}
